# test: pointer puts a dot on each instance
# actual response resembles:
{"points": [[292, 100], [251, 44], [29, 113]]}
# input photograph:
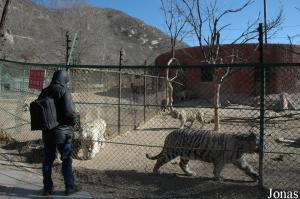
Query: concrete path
{"points": [[17, 181]]}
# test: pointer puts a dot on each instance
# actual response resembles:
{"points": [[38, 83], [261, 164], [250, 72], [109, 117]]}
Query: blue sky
{"points": [[149, 12]]}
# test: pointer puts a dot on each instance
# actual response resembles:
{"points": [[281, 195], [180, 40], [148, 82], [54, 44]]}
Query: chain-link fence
{"points": [[123, 116], [282, 136]]}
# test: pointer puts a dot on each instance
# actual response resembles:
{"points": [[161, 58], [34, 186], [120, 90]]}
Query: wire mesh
{"points": [[281, 159], [121, 118]]}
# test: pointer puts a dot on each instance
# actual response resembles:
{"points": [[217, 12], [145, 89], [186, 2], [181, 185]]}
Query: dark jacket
{"points": [[65, 108]]}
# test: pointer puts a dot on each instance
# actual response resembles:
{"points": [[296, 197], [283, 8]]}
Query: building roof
{"points": [[244, 53]]}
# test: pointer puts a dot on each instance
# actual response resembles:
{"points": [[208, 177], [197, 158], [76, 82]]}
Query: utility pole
{"points": [[68, 47]]}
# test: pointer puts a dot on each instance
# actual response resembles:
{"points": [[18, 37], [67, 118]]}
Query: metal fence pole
{"points": [[120, 90], [23, 80], [156, 94], [262, 104], [1, 79], [145, 94]]}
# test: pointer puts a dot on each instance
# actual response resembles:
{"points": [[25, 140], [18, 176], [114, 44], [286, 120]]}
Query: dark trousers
{"points": [[65, 151]]}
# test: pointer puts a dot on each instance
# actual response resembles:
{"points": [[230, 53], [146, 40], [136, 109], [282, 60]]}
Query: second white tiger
{"points": [[185, 116], [92, 138]]}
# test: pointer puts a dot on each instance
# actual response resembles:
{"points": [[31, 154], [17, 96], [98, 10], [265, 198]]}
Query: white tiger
{"points": [[188, 116], [208, 146], [92, 138], [90, 129]]}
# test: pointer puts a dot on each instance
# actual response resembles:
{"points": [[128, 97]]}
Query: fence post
{"points": [[262, 104], [0, 79], [145, 94], [120, 90], [156, 93], [23, 80]]}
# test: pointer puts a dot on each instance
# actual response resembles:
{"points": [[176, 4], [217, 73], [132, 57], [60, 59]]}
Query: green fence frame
{"points": [[262, 66]]}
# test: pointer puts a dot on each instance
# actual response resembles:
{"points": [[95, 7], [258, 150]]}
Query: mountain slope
{"points": [[37, 34]]}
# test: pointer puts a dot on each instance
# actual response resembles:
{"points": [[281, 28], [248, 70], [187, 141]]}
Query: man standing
{"points": [[61, 136]]}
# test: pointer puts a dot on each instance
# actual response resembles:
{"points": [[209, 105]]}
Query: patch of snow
{"points": [[9, 37], [132, 31], [144, 40], [154, 42], [23, 37], [123, 29]]}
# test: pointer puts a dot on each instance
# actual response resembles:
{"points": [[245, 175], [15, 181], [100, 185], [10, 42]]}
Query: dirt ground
{"points": [[121, 170], [131, 184]]}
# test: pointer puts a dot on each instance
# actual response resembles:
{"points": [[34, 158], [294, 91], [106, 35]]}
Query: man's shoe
{"points": [[71, 190], [47, 192]]}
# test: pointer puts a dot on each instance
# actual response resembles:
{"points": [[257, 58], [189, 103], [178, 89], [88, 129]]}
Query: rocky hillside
{"points": [[35, 33]]}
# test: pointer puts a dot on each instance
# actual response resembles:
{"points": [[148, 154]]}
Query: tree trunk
{"points": [[216, 106], [167, 89], [170, 95], [3, 17]]}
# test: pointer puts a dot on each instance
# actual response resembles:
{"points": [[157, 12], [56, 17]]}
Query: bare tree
{"points": [[291, 40], [205, 20], [176, 24], [2, 24], [73, 18], [202, 16], [2, 39]]}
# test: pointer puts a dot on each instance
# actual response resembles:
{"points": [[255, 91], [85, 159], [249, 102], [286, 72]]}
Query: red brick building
{"points": [[244, 80]]}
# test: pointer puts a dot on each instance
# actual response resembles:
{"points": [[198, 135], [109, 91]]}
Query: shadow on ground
{"points": [[158, 129], [20, 192], [131, 184], [29, 151]]}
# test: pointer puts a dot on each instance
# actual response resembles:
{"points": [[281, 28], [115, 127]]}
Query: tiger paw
{"points": [[156, 172], [190, 173]]}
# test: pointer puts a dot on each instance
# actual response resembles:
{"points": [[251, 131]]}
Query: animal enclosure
{"points": [[129, 100]]}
